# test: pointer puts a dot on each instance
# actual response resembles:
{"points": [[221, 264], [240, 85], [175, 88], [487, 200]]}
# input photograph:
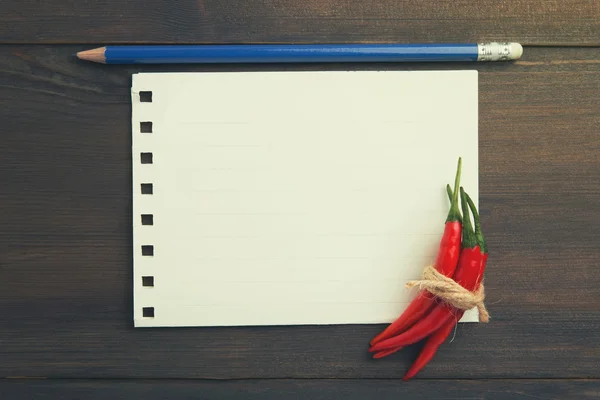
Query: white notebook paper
{"points": [[288, 198]]}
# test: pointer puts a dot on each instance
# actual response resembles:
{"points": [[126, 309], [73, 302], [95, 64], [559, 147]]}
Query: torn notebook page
{"points": [[286, 198]]}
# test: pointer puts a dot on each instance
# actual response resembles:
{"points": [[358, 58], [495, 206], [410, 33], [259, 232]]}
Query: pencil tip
{"points": [[94, 55]]}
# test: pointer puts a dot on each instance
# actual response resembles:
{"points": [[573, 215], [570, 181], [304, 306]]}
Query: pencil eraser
{"points": [[494, 51], [516, 51]]}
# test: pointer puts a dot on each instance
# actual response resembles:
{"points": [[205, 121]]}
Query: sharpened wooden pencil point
{"points": [[94, 55]]}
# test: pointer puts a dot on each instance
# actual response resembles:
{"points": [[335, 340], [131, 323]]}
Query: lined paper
{"points": [[288, 198]]}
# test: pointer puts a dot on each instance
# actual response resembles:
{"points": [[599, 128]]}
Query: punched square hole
{"points": [[147, 219], [146, 97], [146, 158], [147, 188], [148, 312], [147, 250], [146, 127], [147, 281]]}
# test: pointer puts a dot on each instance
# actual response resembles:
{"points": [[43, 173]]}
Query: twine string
{"points": [[451, 292]]}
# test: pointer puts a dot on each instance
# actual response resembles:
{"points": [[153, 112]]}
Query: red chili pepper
{"points": [[431, 346], [386, 353], [478, 232], [445, 263], [436, 340], [467, 275]]}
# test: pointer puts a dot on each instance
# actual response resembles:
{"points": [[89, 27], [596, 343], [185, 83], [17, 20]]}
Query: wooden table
{"points": [[65, 207]]}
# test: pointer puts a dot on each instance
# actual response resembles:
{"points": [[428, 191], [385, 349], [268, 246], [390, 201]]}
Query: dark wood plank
{"points": [[541, 22], [65, 257], [301, 389]]}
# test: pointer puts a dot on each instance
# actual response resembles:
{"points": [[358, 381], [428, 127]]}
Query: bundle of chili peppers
{"points": [[462, 260]]}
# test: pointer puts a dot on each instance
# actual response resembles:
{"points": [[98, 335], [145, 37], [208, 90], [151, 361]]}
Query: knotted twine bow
{"points": [[451, 292]]}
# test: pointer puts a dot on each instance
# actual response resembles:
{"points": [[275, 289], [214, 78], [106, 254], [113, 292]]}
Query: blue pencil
{"points": [[302, 53]]}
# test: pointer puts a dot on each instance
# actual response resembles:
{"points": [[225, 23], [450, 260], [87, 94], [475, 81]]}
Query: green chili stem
{"points": [[478, 231], [454, 213], [469, 240]]}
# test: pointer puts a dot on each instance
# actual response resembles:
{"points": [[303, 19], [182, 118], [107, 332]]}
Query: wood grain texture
{"points": [[541, 22], [65, 237], [301, 389]]}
